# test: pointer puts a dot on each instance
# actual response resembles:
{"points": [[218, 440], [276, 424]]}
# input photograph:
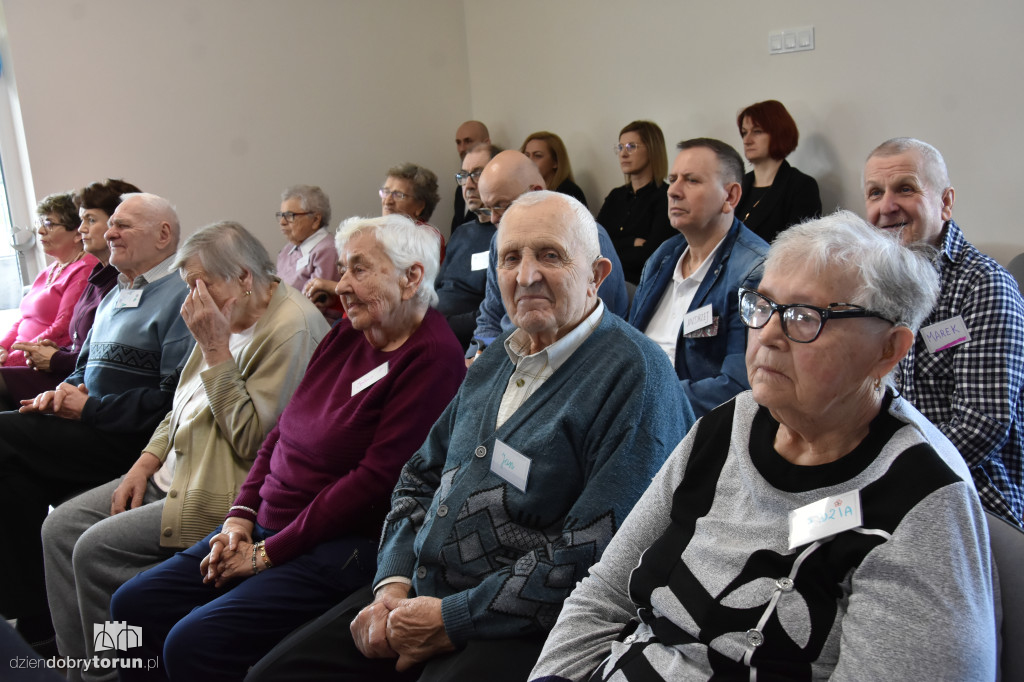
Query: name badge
{"points": [[128, 298], [479, 261], [369, 379], [302, 262], [945, 334], [698, 319], [512, 466], [824, 518]]}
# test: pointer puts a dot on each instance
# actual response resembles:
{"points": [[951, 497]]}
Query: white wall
{"points": [[220, 105], [942, 70]]}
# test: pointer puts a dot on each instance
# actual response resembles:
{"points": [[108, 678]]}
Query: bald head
{"points": [[469, 134], [142, 233], [505, 177]]}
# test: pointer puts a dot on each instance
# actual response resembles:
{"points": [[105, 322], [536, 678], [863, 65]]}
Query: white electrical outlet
{"points": [[791, 40]]}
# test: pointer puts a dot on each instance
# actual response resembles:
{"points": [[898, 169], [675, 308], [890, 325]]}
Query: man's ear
{"points": [[601, 268]]}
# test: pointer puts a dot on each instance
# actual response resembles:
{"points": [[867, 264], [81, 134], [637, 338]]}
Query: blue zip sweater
{"points": [[596, 432], [711, 369]]}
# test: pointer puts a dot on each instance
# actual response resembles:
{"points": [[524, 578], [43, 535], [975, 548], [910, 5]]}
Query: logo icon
{"points": [[115, 635]]}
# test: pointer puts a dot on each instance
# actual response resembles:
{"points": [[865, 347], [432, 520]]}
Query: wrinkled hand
{"points": [[133, 487], [65, 401], [321, 293], [209, 324], [416, 630], [369, 629], [37, 355], [230, 553]]}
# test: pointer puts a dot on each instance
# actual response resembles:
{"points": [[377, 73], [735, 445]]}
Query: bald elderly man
{"points": [[468, 135], [965, 372], [507, 176], [521, 483], [92, 427]]}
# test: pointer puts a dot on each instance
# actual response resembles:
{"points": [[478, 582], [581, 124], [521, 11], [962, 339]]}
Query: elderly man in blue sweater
{"points": [[555, 433], [92, 427]]}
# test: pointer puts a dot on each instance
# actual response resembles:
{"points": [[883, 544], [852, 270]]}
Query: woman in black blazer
{"points": [[775, 195]]}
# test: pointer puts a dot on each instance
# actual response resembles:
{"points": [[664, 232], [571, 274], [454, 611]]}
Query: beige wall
{"points": [[945, 71], [220, 105]]}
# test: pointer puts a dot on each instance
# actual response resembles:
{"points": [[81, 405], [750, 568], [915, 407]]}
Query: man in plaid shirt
{"points": [[966, 369]]}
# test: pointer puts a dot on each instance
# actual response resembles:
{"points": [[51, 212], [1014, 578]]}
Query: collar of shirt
{"points": [[309, 242], [517, 345], [158, 271], [697, 275]]}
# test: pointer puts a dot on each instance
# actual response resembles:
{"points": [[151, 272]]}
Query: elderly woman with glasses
{"points": [[636, 213], [305, 219], [816, 526], [302, 532], [47, 308]]}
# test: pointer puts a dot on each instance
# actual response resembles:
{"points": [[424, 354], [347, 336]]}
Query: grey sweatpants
{"points": [[88, 554]]}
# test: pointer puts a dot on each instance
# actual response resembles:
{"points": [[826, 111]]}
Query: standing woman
{"points": [[46, 362], [636, 213], [775, 195], [552, 158]]}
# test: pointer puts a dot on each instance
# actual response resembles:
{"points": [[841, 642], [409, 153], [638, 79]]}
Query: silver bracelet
{"points": [[239, 507]]}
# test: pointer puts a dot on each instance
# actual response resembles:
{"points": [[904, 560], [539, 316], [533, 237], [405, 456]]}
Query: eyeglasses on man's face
{"points": [[492, 211], [462, 176], [801, 323], [290, 216], [384, 193]]}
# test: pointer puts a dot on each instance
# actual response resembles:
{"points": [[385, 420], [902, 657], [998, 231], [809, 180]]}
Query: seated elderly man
{"points": [[507, 176], [521, 483], [462, 279], [93, 426], [814, 527], [686, 300], [965, 371]]}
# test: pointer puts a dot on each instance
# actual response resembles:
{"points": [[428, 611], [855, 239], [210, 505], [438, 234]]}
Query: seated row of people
{"points": [[489, 563]]}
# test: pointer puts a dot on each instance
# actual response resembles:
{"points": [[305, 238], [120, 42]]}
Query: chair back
{"points": [[1008, 554]]}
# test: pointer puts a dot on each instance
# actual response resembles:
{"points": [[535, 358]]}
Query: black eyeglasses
{"points": [[45, 225], [490, 211], [462, 176], [800, 322], [290, 216]]}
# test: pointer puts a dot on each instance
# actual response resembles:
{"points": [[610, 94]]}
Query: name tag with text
{"points": [[824, 518], [512, 466], [945, 334], [697, 319], [129, 298], [478, 261], [369, 379]]}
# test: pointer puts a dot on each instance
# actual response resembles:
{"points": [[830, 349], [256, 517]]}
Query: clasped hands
{"points": [[65, 401], [395, 626], [230, 554], [37, 355]]}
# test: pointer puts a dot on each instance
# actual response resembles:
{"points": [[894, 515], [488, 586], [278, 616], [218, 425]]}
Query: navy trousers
{"points": [[201, 632]]}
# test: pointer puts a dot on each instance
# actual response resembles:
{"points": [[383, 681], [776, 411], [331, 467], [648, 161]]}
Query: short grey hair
{"points": [[227, 250], [581, 224], [405, 244], [313, 199], [896, 281], [934, 165], [424, 185]]}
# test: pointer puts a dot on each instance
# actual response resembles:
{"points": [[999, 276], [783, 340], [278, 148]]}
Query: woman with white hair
{"points": [[816, 526], [302, 533]]}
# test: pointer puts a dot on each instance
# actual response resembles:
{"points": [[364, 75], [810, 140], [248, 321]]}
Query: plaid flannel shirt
{"points": [[972, 391]]}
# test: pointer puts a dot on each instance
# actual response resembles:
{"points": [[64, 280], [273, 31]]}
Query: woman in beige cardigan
{"points": [[254, 336]]}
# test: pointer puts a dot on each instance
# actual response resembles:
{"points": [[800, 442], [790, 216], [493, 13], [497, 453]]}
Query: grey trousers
{"points": [[88, 554]]}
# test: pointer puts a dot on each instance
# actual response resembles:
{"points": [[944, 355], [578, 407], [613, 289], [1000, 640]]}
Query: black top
{"points": [[792, 198], [629, 215], [572, 189]]}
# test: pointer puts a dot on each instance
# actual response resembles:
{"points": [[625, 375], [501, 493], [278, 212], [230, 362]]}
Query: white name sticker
{"points": [[945, 334], [513, 466], [478, 261], [369, 379], [824, 518], [128, 298], [698, 319], [302, 262]]}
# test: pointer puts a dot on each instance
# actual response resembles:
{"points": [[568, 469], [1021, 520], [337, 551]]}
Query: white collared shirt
{"points": [[306, 247], [533, 370], [158, 271], [675, 302]]}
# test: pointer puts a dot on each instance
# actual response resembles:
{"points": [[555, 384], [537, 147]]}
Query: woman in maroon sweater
{"points": [[303, 531]]}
